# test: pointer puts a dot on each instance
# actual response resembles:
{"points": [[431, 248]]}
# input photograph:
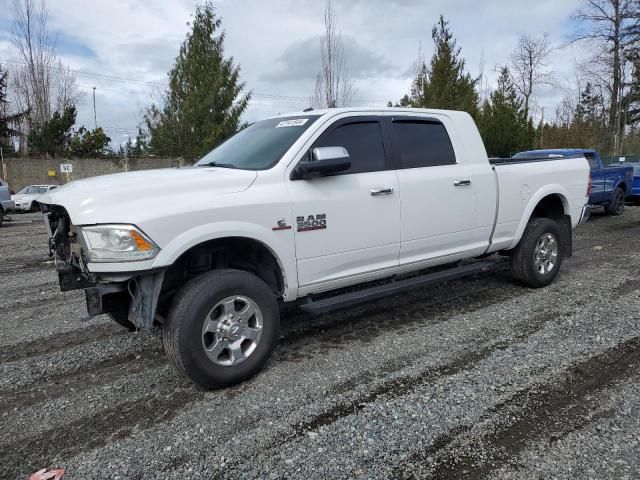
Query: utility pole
{"points": [[542, 129], [95, 118]]}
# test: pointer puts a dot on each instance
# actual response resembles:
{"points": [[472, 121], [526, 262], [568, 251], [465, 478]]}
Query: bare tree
{"points": [[609, 28], [334, 85], [43, 84], [66, 89], [528, 66]]}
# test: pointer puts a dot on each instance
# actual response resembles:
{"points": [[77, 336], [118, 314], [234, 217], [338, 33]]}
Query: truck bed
{"points": [[512, 160], [521, 180]]}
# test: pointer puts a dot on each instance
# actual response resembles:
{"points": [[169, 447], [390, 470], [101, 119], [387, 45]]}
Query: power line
{"points": [[115, 78]]}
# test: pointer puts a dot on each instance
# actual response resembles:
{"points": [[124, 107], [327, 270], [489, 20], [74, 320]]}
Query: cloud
{"points": [[277, 45], [301, 61]]}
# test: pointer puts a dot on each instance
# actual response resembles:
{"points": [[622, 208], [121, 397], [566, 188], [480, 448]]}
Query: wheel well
{"points": [[623, 186], [551, 206], [232, 252], [554, 207]]}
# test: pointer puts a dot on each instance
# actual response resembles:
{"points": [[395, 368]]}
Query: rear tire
{"points": [[222, 327], [616, 205], [538, 256]]}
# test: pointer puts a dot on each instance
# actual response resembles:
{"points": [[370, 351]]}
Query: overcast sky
{"points": [[277, 44]]}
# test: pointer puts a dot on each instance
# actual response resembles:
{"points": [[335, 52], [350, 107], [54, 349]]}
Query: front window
{"points": [[32, 189], [259, 146]]}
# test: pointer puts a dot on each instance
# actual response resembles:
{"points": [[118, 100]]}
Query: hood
{"points": [[132, 197]]}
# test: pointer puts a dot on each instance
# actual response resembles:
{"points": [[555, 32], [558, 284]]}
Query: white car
{"points": [[303, 204], [25, 199]]}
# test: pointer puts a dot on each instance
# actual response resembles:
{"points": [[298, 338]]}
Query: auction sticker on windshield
{"points": [[298, 122]]}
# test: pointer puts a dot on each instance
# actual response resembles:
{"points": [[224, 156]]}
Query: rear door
{"points": [[438, 194], [348, 224]]}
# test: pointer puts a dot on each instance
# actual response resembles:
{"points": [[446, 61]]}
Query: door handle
{"points": [[462, 183], [381, 191]]}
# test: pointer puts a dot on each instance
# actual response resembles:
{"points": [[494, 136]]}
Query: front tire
{"points": [[616, 205], [222, 327], [538, 256]]}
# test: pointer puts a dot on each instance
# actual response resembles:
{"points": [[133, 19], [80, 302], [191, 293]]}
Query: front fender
{"points": [[280, 243]]}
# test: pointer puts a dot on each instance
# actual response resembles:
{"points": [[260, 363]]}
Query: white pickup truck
{"points": [[303, 204]]}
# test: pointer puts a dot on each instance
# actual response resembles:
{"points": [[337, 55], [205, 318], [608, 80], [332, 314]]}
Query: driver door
{"points": [[348, 224]]}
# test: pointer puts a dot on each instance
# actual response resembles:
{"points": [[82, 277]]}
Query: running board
{"points": [[350, 299]]}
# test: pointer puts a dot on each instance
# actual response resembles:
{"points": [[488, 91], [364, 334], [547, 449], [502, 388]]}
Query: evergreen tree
{"points": [[204, 102], [88, 143], [444, 83], [503, 123], [53, 136], [141, 148]]}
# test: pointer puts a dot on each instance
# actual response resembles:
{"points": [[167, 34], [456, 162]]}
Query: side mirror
{"points": [[324, 161]]}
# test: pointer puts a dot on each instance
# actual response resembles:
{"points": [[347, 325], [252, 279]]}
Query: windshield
{"points": [[33, 189], [259, 146]]}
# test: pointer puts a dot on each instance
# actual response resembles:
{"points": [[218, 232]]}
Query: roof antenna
{"points": [[308, 109]]}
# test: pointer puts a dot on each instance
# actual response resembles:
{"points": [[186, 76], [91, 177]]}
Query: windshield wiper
{"points": [[216, 164]]}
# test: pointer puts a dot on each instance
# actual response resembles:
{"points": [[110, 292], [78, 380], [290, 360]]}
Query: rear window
{"points": [[593, 163], [422, 144]]}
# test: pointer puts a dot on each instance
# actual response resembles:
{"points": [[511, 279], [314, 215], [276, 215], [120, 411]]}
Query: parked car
{"points": [[635, 188], [6, 204], [25, 199], [610, 185], [303, 204]]}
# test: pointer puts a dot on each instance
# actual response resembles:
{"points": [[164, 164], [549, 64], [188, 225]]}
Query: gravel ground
{"points": [[480, 378]]}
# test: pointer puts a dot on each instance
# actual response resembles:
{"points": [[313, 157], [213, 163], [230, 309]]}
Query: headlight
{"points": [[117, 243]]}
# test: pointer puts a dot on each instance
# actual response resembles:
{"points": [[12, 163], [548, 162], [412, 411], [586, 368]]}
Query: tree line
{"points": [[205, 99]]}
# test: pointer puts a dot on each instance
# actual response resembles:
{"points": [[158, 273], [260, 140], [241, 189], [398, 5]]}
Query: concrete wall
{"points": [[29, 171]]}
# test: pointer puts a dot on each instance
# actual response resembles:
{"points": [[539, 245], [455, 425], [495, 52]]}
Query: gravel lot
{"points": [[479, 378]]}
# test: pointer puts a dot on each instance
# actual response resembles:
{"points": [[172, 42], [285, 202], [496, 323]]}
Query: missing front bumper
{"points": [[71, 278], [108, 298]]}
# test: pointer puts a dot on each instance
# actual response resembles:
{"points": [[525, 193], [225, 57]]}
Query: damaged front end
{"points": [[127, 296]]}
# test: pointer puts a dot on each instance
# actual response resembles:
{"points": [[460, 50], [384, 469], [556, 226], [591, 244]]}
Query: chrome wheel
{"points": [[231, 331], [546, 254]]}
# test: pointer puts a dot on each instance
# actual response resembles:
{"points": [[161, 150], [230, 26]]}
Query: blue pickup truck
{"points": [[635, 188], [610, 184]]}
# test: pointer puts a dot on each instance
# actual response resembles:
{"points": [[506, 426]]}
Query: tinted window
{"points": [[363, 141], [422, 144], [593, 163]]}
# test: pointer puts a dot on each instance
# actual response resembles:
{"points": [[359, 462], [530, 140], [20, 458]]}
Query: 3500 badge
{"points": [[312, 222]]}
